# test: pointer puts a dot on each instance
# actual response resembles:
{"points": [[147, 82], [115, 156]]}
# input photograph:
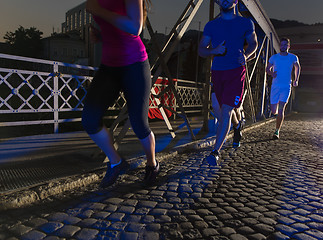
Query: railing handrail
{"points": [[48, 62]]}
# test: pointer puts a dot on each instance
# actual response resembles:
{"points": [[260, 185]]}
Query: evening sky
{"points": [[47, 15]]}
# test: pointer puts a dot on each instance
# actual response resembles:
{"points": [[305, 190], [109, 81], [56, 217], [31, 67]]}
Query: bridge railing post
{"points": [[55, 95], [265, 81]]}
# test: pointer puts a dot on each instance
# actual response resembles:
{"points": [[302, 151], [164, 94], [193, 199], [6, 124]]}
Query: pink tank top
{"points": [[118, 47]]}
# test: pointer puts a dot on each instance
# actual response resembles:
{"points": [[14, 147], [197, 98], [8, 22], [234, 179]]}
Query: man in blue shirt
{"points": [[223, 40]]}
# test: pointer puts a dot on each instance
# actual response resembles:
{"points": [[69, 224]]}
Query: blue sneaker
{"points": [[213, 158], [112, 174]]}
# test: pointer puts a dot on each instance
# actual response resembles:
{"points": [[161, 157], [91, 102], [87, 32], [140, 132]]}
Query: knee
{"points": [[141, 131], [140, 128], [90, 123]]}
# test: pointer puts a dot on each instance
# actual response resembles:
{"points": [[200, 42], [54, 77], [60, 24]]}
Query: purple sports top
{"points": [[118, 47]]}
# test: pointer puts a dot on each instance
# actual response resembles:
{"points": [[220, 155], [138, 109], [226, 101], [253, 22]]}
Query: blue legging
{"points": [[135, 82]]}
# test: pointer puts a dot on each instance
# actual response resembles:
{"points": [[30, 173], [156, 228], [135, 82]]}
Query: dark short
{"points": [[228, 86]]}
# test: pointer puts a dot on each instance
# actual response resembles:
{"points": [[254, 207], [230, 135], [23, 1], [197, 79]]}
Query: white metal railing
{"points": [[54, 92]]}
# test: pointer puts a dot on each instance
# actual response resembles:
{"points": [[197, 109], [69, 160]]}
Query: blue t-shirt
{"points": [[234, 33]]}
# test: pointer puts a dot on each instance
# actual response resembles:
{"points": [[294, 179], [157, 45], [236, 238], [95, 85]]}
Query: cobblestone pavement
{"points": [[268, 189]]}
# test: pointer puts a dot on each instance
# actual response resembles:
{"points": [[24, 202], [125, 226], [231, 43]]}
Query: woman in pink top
{"points": [[124, 67]]}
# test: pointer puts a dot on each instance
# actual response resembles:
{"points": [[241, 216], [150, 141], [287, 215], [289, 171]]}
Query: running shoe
{"points": [[151, 174], [237, 135], [213, 158], [113, 173], [276, 135]]}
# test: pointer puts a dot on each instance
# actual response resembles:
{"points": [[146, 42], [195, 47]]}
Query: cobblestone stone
{"points": [[87, 234], [315, 233], [257, 236], [89, 222], [20, 229], [51, 227], [303, 236], [34, 234], [245, 230], [36, 222], [287, 230], [67, 231]]}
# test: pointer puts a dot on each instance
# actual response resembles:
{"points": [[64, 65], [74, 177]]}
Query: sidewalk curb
{"points": [[33, 194]]}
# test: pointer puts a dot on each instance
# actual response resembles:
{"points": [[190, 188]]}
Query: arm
{"points": [[131, 23], [269, 70], [297, 71], [251, 57], [250, 51], [252, 45], [205, 49]]}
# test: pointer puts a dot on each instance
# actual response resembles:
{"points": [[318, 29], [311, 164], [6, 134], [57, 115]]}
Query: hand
{"points": [[95, 34], [92, 6], [220, 49], [295, 83], [242, 58]]}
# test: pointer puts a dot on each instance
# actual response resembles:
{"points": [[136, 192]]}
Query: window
{"points": [[75, 20], [80, 19], [67, 22], [85, 17]]}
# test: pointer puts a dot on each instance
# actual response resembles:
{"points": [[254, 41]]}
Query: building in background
{"points": [[73, 44], [78, 19], [65, 47]]}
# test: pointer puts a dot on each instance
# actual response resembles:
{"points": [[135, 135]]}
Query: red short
{"points": [[228, 86]]}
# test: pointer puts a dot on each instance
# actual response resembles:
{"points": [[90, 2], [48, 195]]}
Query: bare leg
{"points": [[104, 140], [224, 126], [280, 115], [148, 144], [238, 113], [236, 117], [216, 106], [274, 108]]}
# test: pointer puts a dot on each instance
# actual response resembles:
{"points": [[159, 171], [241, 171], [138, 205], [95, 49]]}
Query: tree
{"points": [[25, 42]]}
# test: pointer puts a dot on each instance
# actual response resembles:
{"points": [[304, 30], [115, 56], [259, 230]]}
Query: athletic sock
{"points": [[113, 165]]}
